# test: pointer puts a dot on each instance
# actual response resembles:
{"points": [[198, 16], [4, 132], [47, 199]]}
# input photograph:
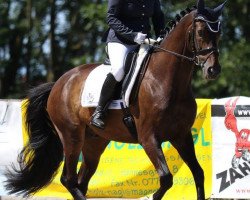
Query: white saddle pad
{"points": [[93, 86], [95, 80]]}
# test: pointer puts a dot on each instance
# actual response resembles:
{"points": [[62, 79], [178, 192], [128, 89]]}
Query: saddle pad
{"points": [[93, 84]]}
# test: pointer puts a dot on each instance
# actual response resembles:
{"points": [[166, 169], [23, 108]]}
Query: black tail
{"points": [[41, 157]]}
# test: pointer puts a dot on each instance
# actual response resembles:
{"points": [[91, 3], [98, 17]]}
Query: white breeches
{"points": [[117, 54]]}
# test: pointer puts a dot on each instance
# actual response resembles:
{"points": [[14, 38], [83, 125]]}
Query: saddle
{"points": [[129, 68], [127, 90]]}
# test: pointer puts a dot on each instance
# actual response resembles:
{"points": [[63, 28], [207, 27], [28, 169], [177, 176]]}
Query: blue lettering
{"points": [[119, 145], [204, 143], [109, 145], [195, 135], [131, 146]]}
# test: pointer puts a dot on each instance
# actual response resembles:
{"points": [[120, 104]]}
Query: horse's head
{"points": [[205, 37]]}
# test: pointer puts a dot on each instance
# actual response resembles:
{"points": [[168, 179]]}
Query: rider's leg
{"points": [[105, 98], [117, 53]]}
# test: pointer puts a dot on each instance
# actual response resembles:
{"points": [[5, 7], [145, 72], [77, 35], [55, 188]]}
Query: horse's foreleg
{"points": [[154, 151], [92, 151], [72, 143], [186, 150]]}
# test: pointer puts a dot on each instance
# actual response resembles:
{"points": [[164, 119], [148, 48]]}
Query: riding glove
{"points": [[140, 37]]}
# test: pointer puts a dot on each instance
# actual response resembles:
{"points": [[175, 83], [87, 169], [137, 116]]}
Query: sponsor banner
{"points": [[231, 147], [125, 170], [11, 140]]}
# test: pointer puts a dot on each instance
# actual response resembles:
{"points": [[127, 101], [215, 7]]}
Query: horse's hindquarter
{"points": [[64, 103]]}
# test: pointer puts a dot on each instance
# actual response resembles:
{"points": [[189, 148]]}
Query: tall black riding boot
{"points": [[106, 96]]}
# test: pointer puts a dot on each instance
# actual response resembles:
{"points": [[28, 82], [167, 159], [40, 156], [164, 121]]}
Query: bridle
{"points": [[194, 45]]}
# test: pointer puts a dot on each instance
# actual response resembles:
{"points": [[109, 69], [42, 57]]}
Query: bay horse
{"points": [[165, 110]]}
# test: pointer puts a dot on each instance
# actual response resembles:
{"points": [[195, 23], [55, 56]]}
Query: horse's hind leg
{"points": [[92, 151], [186, 150], [154, 151], [72, 143]]}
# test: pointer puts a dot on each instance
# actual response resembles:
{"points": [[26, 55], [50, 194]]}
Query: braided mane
{"points": [[172, 24]]}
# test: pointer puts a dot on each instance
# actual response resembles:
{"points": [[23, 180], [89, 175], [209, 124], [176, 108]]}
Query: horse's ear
{"points": [[200, 6], [218, 10]]}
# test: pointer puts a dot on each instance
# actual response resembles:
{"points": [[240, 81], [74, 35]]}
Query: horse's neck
{"points": [[173, 71]]}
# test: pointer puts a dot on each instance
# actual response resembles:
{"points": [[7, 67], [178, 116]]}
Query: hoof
{"points": [[77, 194]]}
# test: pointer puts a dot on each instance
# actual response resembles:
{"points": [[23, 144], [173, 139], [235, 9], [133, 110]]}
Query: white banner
{"points": [[231, 147], [11, 139]]}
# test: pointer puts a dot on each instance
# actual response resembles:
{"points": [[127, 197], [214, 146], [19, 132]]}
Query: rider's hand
{"points": [[140, 38]]}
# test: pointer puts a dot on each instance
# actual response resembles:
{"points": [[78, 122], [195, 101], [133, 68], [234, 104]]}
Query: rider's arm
{"points": [[114, 9]]}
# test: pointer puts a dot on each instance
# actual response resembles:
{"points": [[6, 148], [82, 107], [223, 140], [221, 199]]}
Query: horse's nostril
{"points": [[213, 72], [210, 70]]}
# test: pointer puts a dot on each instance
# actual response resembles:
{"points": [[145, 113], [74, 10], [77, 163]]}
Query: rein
{"points": [[196, 53], [173, 53]]}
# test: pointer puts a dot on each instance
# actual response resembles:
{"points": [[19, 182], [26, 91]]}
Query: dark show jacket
{"points": [[127, 17]]}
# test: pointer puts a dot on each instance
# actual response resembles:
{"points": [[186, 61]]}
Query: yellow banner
{"points": [[125, 171]]}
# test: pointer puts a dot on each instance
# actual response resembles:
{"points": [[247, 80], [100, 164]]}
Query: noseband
{"points": [[194, 45]]}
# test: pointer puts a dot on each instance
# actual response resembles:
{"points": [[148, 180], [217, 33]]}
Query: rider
{"points": [[129, 25]]}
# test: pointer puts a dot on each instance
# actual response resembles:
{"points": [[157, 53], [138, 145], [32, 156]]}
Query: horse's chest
{"points": [[180, 116]]}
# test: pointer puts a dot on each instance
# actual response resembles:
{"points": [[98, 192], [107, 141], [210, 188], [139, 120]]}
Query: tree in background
{"points": [[11, 43], [40, 40]]}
